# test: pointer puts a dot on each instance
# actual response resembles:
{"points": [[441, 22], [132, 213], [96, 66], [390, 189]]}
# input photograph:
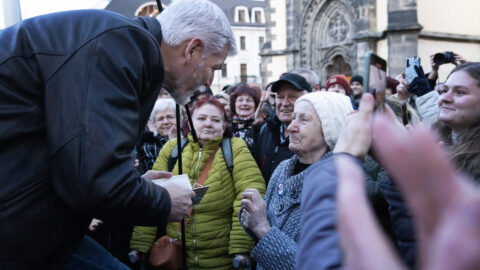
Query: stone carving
{"points": [[338, 28]]}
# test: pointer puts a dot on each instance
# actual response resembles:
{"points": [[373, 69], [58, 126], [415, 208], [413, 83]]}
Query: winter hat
{"points": [[339, 79], [357, 78], [332, 110]]}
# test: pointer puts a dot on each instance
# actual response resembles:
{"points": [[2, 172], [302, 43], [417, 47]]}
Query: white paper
{"points": [[177, 179]]}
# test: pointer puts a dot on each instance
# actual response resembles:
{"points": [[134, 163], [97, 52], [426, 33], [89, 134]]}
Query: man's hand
{"points": [[254, 215], [356, 136], [152, 175], [180, 196]]}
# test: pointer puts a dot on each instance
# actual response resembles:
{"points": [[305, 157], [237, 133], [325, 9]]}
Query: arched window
{"points": [[339, 66], [241, 14], [258, 16], [148, 9]]}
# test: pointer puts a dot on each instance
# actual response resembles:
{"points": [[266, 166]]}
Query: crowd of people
{"points": [[289, 210], [298, 176]]}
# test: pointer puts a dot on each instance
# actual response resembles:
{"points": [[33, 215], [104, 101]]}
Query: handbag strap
{"points": [[203, 175], [201, 180]]}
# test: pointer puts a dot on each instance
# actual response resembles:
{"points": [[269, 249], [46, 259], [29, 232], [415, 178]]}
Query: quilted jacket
{"points": [[213, 232]]}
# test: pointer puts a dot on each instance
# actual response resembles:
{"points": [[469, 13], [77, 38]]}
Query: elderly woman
{"points": [[243, 103], [274, 221], [163, 119], [213, 233]]}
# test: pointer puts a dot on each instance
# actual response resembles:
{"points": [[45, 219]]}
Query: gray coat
{"points": [[277, 249]]}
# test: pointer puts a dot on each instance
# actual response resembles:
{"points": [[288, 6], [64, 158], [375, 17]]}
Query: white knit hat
{"points": [[332, 110]]}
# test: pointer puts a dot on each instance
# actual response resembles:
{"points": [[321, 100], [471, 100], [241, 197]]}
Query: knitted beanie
{"points": [[332, 110], [357, 78], [339, 79]]}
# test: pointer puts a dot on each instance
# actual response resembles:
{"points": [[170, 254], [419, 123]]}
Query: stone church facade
{"points": [[332, 36]]}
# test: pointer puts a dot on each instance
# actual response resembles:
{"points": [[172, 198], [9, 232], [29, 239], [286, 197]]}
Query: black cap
{"points": [[297, 81]]}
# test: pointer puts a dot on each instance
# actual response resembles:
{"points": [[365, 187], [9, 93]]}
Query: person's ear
{"points": [[194, 49]]}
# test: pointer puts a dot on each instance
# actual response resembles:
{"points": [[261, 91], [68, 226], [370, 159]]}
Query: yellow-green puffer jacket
{"points": [[213, 234]]}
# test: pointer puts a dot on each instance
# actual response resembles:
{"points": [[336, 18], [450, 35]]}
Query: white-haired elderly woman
{"points": [[275, 220], [164, 121]]}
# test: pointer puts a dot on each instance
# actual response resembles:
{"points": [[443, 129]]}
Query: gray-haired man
{"points": [[77, 88]]}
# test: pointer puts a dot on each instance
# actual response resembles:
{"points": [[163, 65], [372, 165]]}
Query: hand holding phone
{"points": [[375, 78], [417, 82], [412, 66]]}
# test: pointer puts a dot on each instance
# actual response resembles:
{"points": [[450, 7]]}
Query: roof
{"points": [[128, 7]]}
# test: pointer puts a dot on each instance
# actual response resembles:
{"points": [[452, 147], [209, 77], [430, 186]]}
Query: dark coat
{"points": [[402, 222], [268, 151], [319, 243], [76, 89], [147, 150]]}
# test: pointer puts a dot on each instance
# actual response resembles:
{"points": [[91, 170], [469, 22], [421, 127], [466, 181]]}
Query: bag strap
{"points": [[203, 175], [228, 154], [172, 159]]}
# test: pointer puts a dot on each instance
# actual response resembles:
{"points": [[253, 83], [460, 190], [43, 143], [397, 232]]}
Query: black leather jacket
{"points": [[268, 150], [76, 89]]}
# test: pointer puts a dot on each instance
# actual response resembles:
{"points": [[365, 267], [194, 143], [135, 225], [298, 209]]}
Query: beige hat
{"points": [[332, 110]]}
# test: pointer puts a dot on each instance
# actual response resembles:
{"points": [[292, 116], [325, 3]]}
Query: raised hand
{"points": [[254, 214], [446, 209]]}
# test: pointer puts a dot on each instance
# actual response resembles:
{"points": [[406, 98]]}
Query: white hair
{"points": [[187, 19], [162, 104], [314, 79]]}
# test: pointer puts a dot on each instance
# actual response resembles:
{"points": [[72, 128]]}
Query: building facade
{"points": [[247, 18], [10, 13], [332, 36]]}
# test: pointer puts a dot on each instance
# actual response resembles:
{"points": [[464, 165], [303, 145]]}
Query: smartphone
{"points": [[376, 78], [410, 72]]}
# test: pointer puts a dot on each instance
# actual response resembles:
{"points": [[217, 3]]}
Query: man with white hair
{"points": [[77, 89], [311, 77]]}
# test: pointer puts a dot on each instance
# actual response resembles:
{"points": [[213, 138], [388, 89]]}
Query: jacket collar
{"points": [[153, 26]]}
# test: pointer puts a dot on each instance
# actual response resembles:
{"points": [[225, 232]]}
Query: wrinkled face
{"points": [[305, 130], [226, 106], [164, 121], [337, 88], [199, 71], [244, 106], [285, 101], [208, 123], [459, 101], [356, 88]]}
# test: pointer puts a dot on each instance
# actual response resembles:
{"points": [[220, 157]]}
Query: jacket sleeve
{"points": [[92, 132], [142, 236], [276, 250], [246, 175], [319, 243], [402, 222], [427, 107]]}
